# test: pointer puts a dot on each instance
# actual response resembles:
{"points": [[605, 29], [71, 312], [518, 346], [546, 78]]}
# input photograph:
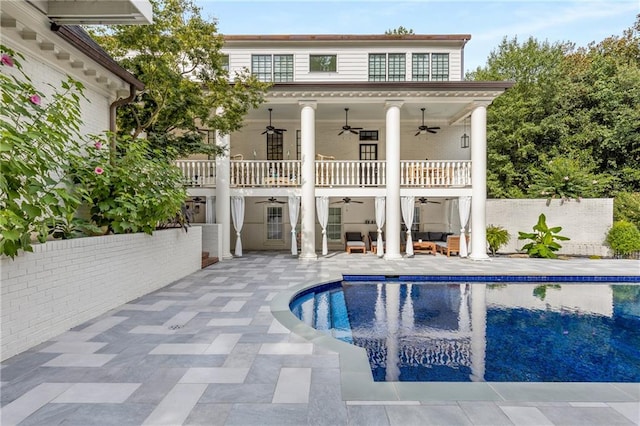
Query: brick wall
{"points": [[586, 222], [64, 283]]}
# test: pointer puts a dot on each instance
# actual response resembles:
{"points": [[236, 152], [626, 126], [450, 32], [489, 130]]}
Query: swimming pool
{"points": [[517, 329]]}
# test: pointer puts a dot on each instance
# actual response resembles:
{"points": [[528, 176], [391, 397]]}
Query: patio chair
{"points": [[354, 242], [453, 245], [373, 241]]}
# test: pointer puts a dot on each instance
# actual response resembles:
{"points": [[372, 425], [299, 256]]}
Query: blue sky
{"points": [[580, 21]]}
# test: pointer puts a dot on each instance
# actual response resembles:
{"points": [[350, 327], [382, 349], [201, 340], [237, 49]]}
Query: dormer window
{"points": [[272, 68], [379, 71], [323, 63]]}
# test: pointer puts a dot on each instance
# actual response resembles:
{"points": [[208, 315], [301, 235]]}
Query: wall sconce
{"points": [[464, 139]]}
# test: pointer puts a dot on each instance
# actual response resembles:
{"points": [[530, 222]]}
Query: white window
{"points": [[387, 67], [323, 63], [272, 68], [275, 228], [334, 224]]}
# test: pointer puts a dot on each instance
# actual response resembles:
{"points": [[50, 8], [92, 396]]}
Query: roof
{"points": [[80, 39], [350, 37]]}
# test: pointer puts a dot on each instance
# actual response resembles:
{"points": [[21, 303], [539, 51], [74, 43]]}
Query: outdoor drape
{"points": [[210, 208], [380, 212], [407, 204], [322, 209], [237, 214], [464, 208], [294, 210]]}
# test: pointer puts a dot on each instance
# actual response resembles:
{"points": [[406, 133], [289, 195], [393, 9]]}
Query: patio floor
{"points": [[206, 350]]}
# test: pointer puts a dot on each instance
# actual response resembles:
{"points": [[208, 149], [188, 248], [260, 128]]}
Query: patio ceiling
{"points": [[446, 103], [91, 12]]}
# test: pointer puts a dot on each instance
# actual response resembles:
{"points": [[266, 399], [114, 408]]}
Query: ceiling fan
{"points": [[346, 127], [424, 200], [347, 200], [424, 128], [270, 129], [271, 200], [198, 200]]}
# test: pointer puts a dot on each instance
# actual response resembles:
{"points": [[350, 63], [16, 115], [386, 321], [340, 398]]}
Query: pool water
{"points": [[462, 332]]}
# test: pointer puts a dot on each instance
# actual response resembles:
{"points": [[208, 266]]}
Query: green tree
{"points": [[517, 132], [178, 58], [399, 31]]}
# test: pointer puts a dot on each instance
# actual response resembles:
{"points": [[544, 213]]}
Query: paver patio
{"points": [[206, 350]]}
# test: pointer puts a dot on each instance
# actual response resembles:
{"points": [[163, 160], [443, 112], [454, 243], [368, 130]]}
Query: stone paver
{"points": [[208, 350]]}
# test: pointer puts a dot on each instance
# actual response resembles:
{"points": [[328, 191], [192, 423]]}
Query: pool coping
{"points": [[357, 383]]}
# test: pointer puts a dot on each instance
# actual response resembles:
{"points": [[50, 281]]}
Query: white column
{"points": [[478, 331], [393, 347], [223, 195], [393, 179], [308, 183], [479, 182]]}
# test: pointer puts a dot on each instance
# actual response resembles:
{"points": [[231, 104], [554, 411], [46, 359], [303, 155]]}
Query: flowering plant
{"points": [[37, 136]]}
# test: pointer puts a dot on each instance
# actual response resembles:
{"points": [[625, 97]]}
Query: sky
{"points": [[488, 22]]}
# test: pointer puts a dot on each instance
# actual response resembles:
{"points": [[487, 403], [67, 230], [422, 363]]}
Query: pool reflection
{"points": [[480, 332]]}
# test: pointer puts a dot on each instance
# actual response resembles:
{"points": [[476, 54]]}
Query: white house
{"points": [[350, 119], [354, 126], [45, 32]]}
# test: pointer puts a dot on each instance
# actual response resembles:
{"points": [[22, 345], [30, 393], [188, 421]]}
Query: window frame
{"points": [[380, 68], [275, 146], [279, 231], [334, 62], [438, 65], [279, 68], [334, 229], [425, 73]]}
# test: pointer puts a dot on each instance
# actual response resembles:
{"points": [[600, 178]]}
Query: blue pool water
{"points": [[474, 331]]}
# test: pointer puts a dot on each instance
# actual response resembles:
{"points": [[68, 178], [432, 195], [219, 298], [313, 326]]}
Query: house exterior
{"points": [[54, 47], [359, 133]]}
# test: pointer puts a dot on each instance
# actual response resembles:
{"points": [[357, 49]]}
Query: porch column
{"points": [[479, 183], [393, 179], [223, 198], [308, 184]]}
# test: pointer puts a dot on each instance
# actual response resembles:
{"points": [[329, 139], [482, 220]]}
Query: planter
{"points": [[64, 283]]}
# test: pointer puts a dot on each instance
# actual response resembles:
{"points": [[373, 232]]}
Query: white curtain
{"points": [[210, 208], [407, 204], [380, 212], [294, 210], [322, 207], [237, 214], [464, 209]]}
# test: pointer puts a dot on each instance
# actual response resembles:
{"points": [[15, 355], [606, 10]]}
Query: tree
{"points": [[400, 31], [178, 58]]}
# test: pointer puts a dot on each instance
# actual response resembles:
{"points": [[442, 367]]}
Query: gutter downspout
{"points": [[112, 119]]}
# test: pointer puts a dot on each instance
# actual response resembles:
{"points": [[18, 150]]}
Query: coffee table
{"points": [[427, 247]]}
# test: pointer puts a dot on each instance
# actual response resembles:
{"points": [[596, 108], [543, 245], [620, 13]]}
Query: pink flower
{"points": [[98, 144], [99, 170], [6, 60], [35, 99]]}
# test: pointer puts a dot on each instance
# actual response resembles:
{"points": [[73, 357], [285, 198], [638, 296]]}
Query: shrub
{"points": [[543, 238], [133, 193], [626, 206], [497, 236], [37, 135], [623, 238]]}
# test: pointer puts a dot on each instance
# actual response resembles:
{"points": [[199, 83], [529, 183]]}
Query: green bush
{"points": [[626, 206], [623, 238], [543, 238], [38, 134], [497, 236], [134, 192]]}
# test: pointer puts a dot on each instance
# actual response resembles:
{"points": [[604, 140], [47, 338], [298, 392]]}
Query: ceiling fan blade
{"points": [[431, 131], [353, 131], [263, 132], [359, 202], [340, 133], [357, 128], [417, 133]]}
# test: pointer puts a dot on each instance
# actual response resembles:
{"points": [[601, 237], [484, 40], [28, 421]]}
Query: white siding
{"points": [[352, 62]]}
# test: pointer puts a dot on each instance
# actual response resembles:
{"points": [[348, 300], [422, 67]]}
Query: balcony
{"points": [[329, 173]]}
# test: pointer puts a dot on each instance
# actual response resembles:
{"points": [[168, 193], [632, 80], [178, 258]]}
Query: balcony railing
{"points": [[198, 172], [329, 173]]}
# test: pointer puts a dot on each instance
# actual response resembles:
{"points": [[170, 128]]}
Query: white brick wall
{"points": [[211, 238], [64, 283], [586, 222]]}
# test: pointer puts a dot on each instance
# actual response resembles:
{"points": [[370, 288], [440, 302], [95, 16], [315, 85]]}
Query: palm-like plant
{"points": [[497, 237], [543, 238]]}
